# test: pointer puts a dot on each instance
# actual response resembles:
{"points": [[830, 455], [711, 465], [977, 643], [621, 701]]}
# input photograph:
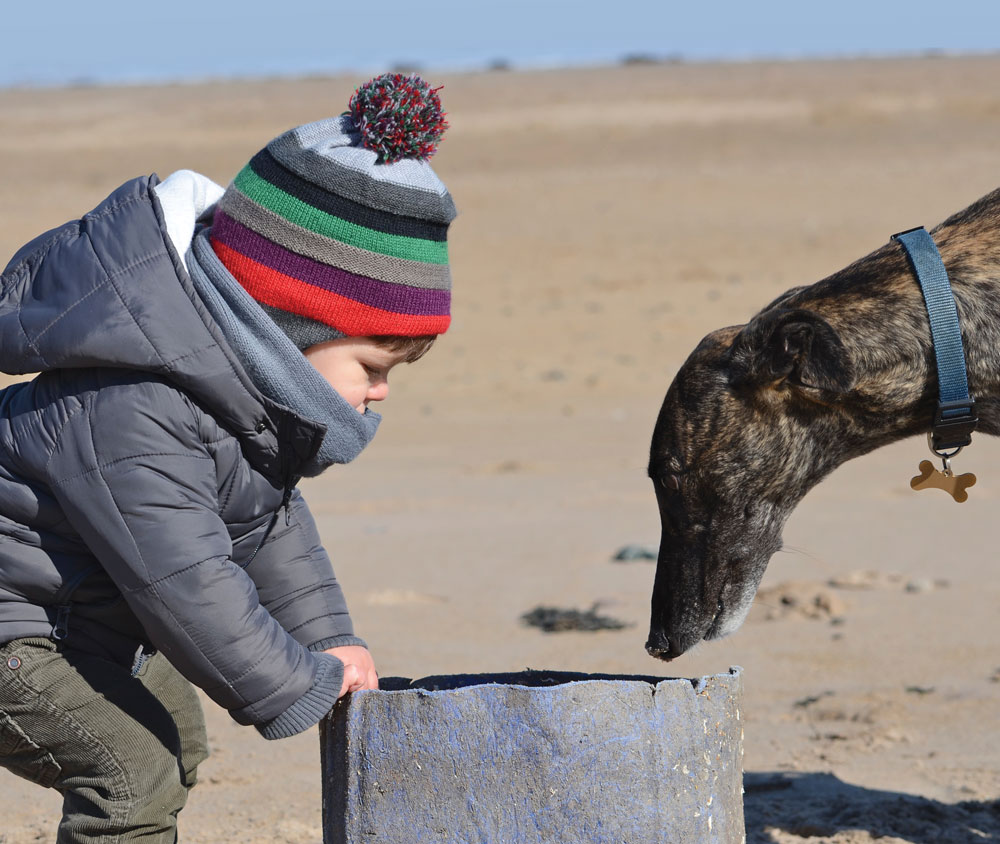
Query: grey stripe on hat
{"points": [[302, 331], [332, 252], [337, 139], [406, 187]]}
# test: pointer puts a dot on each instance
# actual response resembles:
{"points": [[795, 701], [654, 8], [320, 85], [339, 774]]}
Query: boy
{"points": [[150, 529]]}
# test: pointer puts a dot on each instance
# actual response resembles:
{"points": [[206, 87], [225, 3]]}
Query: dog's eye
{"points": [[671, 482]]}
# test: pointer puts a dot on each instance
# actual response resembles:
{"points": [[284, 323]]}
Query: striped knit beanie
{"points": [[339, 228]]}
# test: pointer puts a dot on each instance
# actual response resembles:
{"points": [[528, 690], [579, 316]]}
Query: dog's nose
{"points": [[658, 645]]}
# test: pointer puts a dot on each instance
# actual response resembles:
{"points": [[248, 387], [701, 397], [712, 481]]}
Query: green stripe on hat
{"points": [[296, 211], [336, 253]]}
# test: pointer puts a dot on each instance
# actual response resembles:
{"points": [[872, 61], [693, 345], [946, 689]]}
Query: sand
{"points": [[609, 219]]}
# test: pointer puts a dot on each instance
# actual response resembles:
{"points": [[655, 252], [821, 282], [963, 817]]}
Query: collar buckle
{"points": [[954, 422]]}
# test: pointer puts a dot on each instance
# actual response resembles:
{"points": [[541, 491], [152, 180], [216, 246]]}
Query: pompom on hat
{"points": [[339, 228]]}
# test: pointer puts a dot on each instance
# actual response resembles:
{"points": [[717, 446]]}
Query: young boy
{"points": [[200, 350]]}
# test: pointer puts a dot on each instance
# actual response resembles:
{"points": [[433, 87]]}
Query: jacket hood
{"points": [[109, 290]]}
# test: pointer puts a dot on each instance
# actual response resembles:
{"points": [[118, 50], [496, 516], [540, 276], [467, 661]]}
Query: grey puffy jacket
{"points": [[147, 487]]}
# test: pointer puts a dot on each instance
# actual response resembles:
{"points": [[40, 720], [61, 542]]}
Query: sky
{"points": [[113, 41]]}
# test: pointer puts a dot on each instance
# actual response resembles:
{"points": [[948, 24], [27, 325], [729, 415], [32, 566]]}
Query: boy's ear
{"points": [[792, 346]]}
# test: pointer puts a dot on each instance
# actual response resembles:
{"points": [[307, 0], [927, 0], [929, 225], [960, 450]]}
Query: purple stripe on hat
{"points": [[397, 298]]}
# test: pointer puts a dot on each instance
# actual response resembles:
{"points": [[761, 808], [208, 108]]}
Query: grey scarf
{"points": [[274, 364]]}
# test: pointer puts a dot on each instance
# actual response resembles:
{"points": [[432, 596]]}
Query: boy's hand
{"points": [[359, 668]]}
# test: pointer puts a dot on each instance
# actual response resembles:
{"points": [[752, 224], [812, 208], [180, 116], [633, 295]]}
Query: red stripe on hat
{"points": [[353, 318]]}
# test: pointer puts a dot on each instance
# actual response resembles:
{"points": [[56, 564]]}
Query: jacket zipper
{"points": [[60, 630], [270, 526]]}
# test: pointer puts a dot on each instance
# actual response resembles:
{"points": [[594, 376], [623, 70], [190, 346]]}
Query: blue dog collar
{"points": [[955, 418]]}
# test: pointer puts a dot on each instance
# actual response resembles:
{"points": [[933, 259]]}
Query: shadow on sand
{"points": [[786, 807]]}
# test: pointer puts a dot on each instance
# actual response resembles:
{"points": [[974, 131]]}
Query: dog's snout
{"points": [[658, 645]]}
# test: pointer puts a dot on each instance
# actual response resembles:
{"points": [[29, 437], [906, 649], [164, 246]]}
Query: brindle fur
{"points": [[759, 413]]}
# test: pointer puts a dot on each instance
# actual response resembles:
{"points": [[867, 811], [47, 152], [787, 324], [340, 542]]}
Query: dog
{"points": [[760, 413]]}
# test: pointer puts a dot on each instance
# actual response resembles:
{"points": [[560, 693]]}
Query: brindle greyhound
{"points": [[759, 413]]}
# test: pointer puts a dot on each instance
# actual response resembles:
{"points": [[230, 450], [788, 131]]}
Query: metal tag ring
{"points": [[941, 454]]}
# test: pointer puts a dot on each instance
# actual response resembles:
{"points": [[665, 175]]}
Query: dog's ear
{"points": [[793, 346]]}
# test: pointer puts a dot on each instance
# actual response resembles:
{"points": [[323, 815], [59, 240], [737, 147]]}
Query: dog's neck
{"points": [[878, 311]]}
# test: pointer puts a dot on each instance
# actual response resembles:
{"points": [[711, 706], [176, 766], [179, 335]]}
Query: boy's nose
{"points": [[379, 391]]}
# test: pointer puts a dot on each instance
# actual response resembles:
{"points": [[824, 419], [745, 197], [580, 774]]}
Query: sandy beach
{"points": [[609, 219]]}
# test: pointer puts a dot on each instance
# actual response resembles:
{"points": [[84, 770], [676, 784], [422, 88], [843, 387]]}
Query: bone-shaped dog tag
{"points": [[932, 478]]}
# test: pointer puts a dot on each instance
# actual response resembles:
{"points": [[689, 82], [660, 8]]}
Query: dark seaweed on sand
{"points": [[556, 620]]}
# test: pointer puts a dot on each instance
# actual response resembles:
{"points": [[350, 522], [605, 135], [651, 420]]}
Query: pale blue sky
{"points": [[124, 40]]}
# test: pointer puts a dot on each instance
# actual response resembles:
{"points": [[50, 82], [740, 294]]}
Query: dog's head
{"points": [[759, 413], [749, 425]]}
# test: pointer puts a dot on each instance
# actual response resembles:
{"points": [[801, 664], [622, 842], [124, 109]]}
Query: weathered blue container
{"points": [[536, 757]]}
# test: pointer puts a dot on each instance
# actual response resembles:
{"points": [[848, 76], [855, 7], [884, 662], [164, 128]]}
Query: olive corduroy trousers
{"points": [[123, 750]]}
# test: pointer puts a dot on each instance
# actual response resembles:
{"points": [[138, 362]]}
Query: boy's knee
{"points": [[186, 721], [134, 787]]}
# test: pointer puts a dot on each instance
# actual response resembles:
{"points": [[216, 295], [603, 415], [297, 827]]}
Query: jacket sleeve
{"points": [[137, 483], [296, 583]]}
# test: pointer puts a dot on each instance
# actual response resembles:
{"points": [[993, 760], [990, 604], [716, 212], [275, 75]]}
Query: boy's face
{"points": [[356, 367]]}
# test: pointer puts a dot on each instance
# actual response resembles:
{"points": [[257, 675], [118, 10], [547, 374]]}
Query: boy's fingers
{"points": [[359, 669], [352, 679]]}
